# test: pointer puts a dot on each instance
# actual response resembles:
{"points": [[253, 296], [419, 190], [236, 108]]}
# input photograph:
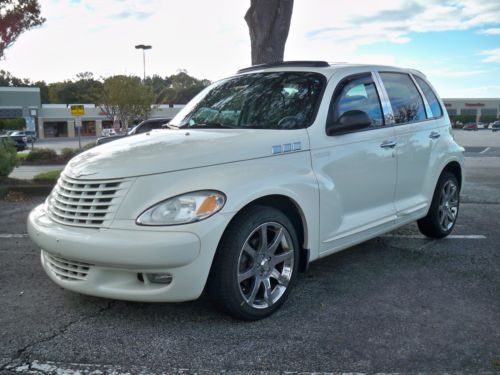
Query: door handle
{"points": [[434, 135], [388, 144]]}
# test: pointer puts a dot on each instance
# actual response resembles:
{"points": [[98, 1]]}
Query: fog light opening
{"points": [[164, 278]]}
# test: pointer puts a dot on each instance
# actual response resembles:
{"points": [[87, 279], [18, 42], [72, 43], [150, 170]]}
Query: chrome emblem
{"points": [[286, 147]]}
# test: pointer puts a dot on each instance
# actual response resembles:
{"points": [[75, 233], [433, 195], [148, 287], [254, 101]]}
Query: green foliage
{"points": [[50, 176], [88, 146], [43, 155], [488, 118], [462, 118], [127, 98], [12, 124], [21, 157], [8, 157], [180, 88], [85, 89], [67, 153], [16, 17]]}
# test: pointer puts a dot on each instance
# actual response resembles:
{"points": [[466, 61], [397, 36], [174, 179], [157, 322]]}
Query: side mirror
{"points": [[350, 121]]}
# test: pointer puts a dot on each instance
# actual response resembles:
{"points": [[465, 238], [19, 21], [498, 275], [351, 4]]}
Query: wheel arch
{"points": [[293, 211], [455, 168]]}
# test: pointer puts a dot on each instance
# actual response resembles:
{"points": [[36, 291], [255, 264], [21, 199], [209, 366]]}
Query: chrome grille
{"points": [[86, 203], [69, 270]]}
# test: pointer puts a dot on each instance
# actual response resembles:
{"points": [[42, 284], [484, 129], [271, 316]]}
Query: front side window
{"points": [[407, 105], [356, 94], [275, 100], [431, 97]]}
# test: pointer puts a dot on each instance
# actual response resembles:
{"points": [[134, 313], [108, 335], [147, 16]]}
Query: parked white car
{"points": [[108, 132], [260, 174]]}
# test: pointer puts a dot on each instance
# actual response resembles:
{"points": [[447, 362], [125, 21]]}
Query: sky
{"points": [[456, 43]]}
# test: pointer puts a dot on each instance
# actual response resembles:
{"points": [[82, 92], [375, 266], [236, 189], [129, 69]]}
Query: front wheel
{"points": [[443, 212], [256, 264]]}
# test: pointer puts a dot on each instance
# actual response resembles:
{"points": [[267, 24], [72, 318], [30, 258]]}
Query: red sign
{"points": [[474, 104]]}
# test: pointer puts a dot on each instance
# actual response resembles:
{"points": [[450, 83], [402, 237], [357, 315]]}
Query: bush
{"points": [[88, 146], [42, 154], [68, 153], [8, 157], [50, 176]]}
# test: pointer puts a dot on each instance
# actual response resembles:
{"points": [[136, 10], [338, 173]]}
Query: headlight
{"points": [[183, 209]]}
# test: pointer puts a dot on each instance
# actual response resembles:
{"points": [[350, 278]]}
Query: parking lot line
{"points": [[13, 235], [451, 237], [485, 150]]}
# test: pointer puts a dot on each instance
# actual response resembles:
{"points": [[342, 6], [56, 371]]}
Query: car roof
{"points": [[326, 68]]}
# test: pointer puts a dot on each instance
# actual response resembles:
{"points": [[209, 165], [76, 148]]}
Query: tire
{"points": [[443, 213], [253, 274]]}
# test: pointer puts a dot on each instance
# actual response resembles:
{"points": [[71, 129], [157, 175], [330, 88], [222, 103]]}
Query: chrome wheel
{"points": [[265, 265], [448, 205]]}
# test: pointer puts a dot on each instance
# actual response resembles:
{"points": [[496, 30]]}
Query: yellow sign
{"points": [[77, 110]]}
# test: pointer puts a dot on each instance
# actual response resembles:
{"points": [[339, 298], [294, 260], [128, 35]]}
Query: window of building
{"points": [[407, 105], [431, 97], [469, 111]]}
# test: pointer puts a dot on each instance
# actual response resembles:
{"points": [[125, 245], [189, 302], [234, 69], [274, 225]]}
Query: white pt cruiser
{"points": [[260, 174]]}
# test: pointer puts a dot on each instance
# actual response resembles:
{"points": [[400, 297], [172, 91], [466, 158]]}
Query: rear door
{"points": [[417, 133]]}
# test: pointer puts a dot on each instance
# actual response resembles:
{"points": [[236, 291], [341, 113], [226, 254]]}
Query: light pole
{"points": [[144, 47]]}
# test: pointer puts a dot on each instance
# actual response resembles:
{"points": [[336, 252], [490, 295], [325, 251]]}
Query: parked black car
{"points": [[495, 126], [20, 141], [143, 127], [30, 134]]}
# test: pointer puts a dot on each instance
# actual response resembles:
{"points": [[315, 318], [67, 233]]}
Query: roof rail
{"points": [[305, 63]]}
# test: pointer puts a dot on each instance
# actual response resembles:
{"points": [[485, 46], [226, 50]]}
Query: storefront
{"points": [[55, 129]]}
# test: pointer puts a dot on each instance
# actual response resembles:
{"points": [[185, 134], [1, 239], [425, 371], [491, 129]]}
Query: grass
{"points": [[22, 156], [50, 176]]}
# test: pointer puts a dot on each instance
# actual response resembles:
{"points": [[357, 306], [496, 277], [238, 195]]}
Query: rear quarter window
{"points": [[431, 98]]}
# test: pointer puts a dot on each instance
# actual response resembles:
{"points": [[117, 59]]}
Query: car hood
{"points": [[162, 151]]}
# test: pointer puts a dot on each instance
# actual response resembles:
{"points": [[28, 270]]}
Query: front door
{"points": [[356, 170]]}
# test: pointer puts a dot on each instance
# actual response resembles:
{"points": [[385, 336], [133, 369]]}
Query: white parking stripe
{"points": [[13, 235], [451, 237], [485, 150]]}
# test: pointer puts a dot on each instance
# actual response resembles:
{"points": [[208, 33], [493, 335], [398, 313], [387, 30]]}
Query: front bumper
{"points": [[108, 262]]}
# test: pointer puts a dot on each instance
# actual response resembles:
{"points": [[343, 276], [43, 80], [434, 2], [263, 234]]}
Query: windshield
{"points": [[275, 100]]}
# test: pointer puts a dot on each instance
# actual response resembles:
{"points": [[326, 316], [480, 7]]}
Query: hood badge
{"points": [[286, 147]]}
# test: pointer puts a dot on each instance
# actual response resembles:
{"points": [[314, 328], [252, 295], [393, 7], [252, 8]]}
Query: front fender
{"points": [[243, 182]]}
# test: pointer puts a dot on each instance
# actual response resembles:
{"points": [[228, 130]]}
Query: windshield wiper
{"points": [[210, 125], [172, 126]]}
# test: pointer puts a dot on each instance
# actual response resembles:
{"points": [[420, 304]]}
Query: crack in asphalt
{"points": [[22, 358]]}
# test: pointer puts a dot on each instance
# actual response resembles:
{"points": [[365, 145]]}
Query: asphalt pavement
{"points": [[399, 303]]}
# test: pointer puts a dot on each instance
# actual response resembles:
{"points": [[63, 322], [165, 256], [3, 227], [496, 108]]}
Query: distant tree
{"points": [[269, 23], [127, 98], [182, 88], [7, 79], [157, 84], [85, 89], [16, 17]]}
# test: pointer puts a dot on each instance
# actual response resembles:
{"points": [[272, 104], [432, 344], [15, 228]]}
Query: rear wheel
{"points": [[256, 264], [443, 212]]}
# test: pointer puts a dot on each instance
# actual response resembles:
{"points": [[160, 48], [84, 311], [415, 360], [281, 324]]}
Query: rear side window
{"points": [[356, 94], [407, 105], [431, 98]]}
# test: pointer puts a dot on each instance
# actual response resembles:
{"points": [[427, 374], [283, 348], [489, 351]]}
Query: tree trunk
{"points": [[268, 22]]}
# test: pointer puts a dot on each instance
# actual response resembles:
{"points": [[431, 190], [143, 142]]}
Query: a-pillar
{"points": [[41, 133], [98, 127], [71, 128]]}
